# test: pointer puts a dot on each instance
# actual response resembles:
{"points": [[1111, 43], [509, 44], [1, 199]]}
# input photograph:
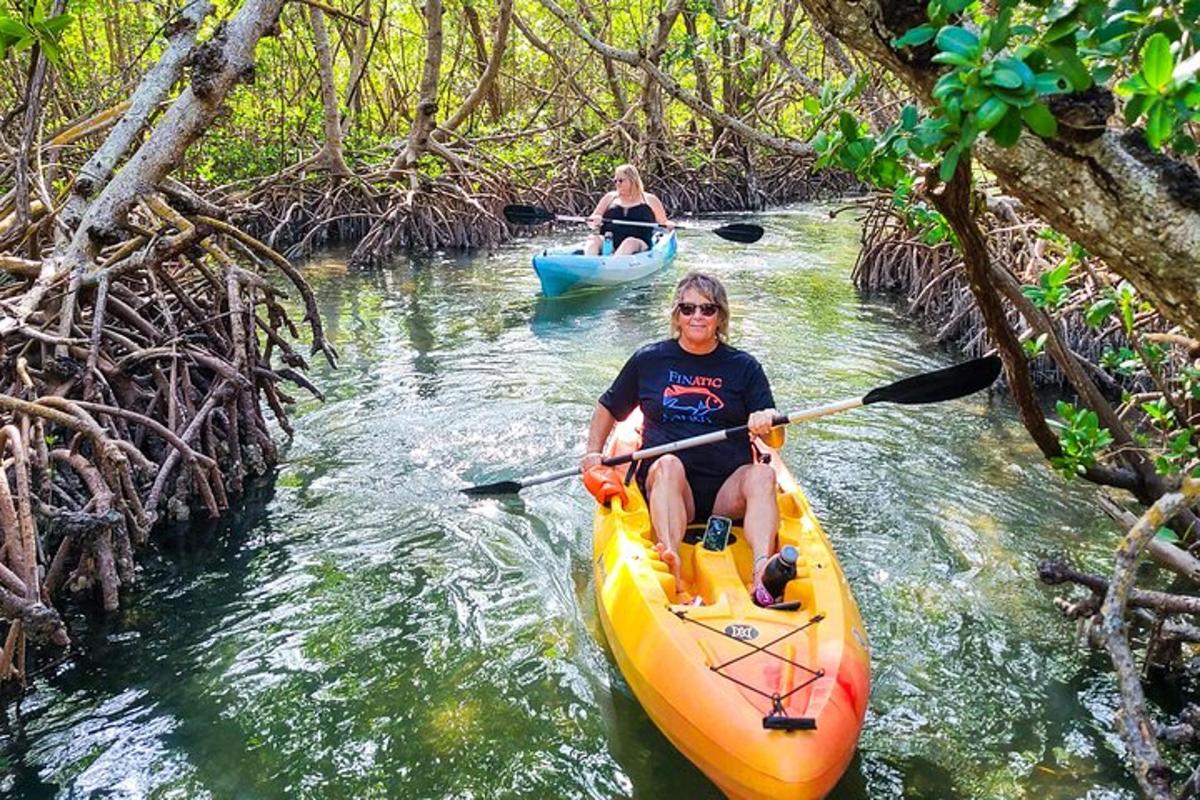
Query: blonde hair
{"points": [[713, 290], [630, 173]]}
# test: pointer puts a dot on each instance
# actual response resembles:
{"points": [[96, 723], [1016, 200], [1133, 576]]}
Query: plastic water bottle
{"points": [[608, 245], [779, 570]]}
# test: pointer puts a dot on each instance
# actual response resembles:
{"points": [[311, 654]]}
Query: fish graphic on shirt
{"points": [[692, 403]]}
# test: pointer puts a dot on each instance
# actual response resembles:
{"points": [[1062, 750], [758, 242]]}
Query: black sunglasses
{"points": [[706, 309]]}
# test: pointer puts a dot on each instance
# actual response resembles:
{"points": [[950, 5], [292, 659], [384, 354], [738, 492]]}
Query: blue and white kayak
{"points": [[562, 270]]}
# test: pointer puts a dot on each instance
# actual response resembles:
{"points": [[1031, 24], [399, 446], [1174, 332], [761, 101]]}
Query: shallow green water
{"points": [[364, 630]]}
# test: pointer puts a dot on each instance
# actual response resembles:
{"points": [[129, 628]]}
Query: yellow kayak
{"points": [[768, 703]]}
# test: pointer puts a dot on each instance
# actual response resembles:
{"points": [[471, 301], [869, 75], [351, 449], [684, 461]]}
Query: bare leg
{"points": [[594, 242], [671, 507], [750, 493], [630, 246]]}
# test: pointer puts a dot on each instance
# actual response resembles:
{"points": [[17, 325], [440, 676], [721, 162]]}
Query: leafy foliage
{"points": [[33, 25], [1081, 438]]}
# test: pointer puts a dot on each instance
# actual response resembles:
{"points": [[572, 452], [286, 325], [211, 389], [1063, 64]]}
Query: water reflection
{"points": [[368, 631]]}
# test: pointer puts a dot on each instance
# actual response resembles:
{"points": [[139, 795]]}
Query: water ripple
{"points": [[369, 631]]}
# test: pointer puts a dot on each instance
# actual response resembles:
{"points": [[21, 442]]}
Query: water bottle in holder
{"points": [[779, 570], [608, 244]]}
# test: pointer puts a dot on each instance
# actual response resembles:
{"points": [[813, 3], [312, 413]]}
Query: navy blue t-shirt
{"points": [[682, 394]]}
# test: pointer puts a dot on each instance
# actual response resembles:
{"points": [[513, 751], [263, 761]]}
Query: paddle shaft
{"points": [[697, 441], [565, 218], [949, 383]]}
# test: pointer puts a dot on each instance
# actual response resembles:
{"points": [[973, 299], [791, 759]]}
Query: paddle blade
{"points": [[740, 232], [500, 487], [527, 215], [944, 384]]}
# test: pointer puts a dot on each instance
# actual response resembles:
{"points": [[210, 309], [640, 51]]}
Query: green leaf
{"points": [[848, 125], [56, 25], [1060, 10], [1157, 61], [1057, 276], [953, 39], [1051, 83], [1099, 312], [1001, 30], [1134, 108], [1134, 84], [974, 97], [1068, 63], [51, 49], [13, 28], [1060, 30], [1008, 130], [990, 113], [1167, 535], [953, 59], [947, 84], [949, 164], [1040, 120], [1006, 78], [1034, 347], [909, 117], [1024, 73], [915, 36], [1160, 120]]}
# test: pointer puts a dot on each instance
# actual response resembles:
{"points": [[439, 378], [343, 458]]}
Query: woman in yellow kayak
{"points": [[628, 200], [690, 384]]}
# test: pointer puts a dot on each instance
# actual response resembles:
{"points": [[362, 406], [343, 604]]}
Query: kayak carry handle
{"points": [[782, 722]]}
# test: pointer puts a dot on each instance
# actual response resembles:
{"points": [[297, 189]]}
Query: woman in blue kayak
{"points": [[690, 384], [630, 201]]}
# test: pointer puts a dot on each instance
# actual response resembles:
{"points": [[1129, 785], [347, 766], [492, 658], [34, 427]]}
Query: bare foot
{"points": [[759, 592], [760, 566], [669, 557]]}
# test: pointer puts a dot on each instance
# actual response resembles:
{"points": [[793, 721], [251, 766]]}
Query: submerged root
{"points": [[917, 262], [387, 214], [131, 391]]}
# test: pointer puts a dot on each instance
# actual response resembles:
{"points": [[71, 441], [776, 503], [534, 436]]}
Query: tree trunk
{"points": [[358, 63], [673, 88], [427, 104], [610, 70], [146, 99], [331, 155], [653, 144], [217, 66], [486, 87], [481, 58], [699, 67]]}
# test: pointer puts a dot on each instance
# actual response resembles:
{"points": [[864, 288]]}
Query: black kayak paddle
{"points": [[533, 215], [929, 387]]}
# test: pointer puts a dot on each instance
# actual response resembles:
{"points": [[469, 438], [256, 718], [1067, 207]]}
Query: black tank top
{"points": [[639, 213]]}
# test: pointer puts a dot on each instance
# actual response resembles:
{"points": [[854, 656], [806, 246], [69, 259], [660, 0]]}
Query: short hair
{"points": [[629, 171], [713, 290]]}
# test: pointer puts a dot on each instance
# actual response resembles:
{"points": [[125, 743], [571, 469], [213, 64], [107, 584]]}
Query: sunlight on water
{"points": [[364, 630]]}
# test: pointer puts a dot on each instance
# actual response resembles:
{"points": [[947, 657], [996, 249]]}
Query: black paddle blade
{"points": [[944, 384], [527, 215], [500, 487], [740, 232]]}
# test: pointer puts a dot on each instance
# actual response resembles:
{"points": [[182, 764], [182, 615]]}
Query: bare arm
{"points": [[660, 213], [601, 207], [601, 425]]}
